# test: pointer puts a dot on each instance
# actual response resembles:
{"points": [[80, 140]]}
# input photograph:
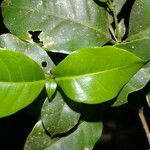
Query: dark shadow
{"points": [[3, 28]]}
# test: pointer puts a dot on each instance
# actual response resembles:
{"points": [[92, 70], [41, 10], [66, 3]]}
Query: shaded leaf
{"points": [[21, 81], [137, 82], [32, 50], [38, 139], [66, 25], [139, 47], [85, 137], [148, 98], [139, 18], [118, 4], [57, 116], [101, 73]]}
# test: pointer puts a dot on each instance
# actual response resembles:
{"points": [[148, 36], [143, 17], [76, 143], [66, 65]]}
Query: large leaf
{"points": [[139, 47], [65, 24], [140, 18], [95, 75], [57, 116], [21, 80], [9, 41], [83, 138], [137, 82]]}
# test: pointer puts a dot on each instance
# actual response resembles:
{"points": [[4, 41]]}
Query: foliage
{"points": [[107, 59]]}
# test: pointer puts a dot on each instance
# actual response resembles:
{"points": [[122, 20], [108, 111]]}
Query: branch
{"points": [[144, 123]]}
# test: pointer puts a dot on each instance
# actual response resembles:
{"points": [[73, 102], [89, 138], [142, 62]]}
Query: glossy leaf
{"points": [[139, 47], [32, 50], [139, 18], [85, 137], [137, 82], [50, 86], [148, 98], [96, 75], [66, 25], [21, 81], [57, 116]]}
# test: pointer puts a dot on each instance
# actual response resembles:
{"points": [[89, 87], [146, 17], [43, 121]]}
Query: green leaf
{"points": [[66, 25], [32, 50], [148, 98], [21, 81], [38, 139], [83, 138], [96, 75], [57, 116], [139, 18], [137, 82], [139, 47], [50, 86]]}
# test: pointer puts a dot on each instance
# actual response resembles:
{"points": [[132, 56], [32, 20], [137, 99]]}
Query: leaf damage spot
{"points": [[35, 37], [44, 64]]}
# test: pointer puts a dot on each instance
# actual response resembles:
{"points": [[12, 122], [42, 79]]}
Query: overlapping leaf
{"points": [[85, 136], [66, 25], [9, 41], [118, 4], [139, 19], [21, 80], [139, 47], [57, 116], [95, 75], [137, 82]]}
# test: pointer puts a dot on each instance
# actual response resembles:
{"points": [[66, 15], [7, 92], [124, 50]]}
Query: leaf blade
{"points": [[78, 81], [20, 82], [85, 136], [57, 116], [137, 82], [67, 26]]}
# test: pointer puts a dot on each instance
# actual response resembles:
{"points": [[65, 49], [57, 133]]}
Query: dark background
{"points": [[122, 127]]}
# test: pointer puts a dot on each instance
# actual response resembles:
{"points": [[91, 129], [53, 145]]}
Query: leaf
{"points": [[139, 47], [57, 116], [148, 98], [83, 138], [50, 86], [136, 83], [38, 139], [21, 81], [118, 4], [66, 25], [32, 50], [96, 75], [139, 18]]}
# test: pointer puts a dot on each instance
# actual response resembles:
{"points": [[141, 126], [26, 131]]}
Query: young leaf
{"points": [[50, 86], [139, 18], [57, 116], [66, 25], [83, 138], [137, 82], [96, 75], [32, 50], [21, 81]]}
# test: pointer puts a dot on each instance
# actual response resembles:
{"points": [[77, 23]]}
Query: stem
{"points": [[112, 9], [144, 123]]}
